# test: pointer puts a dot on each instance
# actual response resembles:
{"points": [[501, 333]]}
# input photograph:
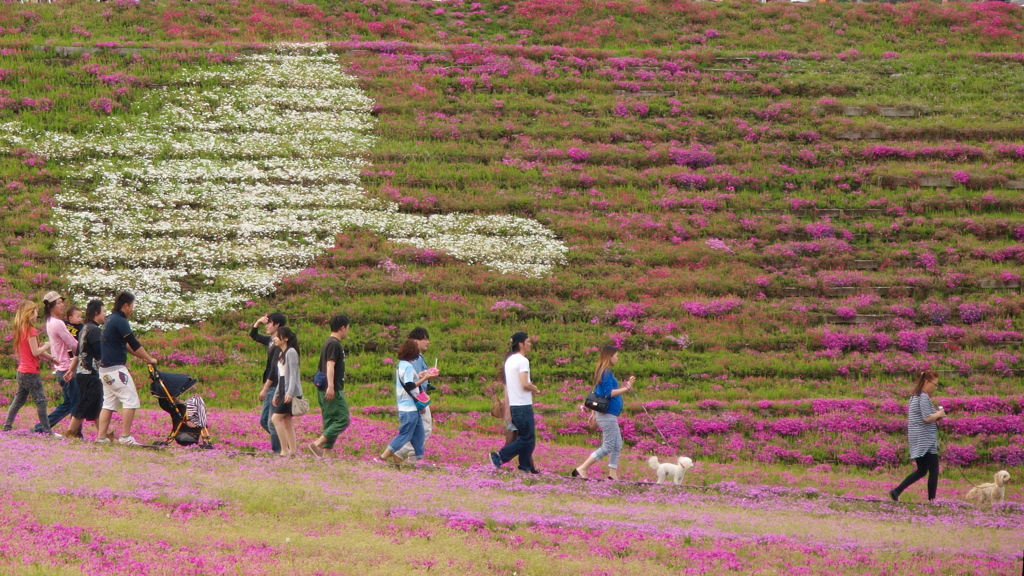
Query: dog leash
{"points": [[965, 477], [653, 422]]}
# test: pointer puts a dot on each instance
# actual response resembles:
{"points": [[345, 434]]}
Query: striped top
{"points": [[924, 436]]}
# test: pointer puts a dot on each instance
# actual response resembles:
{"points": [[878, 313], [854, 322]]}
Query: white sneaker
{"points": [[103, 440], [129, 440], [55, 435]]}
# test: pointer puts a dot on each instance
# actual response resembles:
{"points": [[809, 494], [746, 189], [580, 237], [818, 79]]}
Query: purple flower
{"points": [[929, 262], [846, 312], [960, 455], [105, 105], [912, 342], [902, 311], [1008, 455], [834, 340], [819, 230], [713, 308], [695, 157], [938, 314], [788, 426], [681, 341], [628, 311], [972, 313], [688, 180], [853, 458], [717, 244], [578, 154], [961, 177]]}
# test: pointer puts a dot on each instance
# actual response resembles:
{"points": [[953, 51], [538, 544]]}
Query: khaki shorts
{"points": [[118, 389]]}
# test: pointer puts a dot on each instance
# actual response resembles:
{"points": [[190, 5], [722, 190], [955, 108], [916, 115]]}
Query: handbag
{"points": [[420, 399], [498, 408], [320, 381], [300, 406], [597, 403], [420, 405]]}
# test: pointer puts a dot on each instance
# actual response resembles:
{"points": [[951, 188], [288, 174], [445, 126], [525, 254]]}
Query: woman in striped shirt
{"points": [[923, 434]]}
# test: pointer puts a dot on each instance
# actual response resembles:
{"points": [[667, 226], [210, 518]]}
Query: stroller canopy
{"points": [[176, 384]]}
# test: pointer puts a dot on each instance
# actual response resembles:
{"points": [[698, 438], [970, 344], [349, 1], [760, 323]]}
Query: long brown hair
{"points": [[501, 367], [604, 362], [23, 320], [922, 378]]}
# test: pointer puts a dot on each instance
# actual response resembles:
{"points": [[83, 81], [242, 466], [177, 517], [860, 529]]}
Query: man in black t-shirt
{"points": [[86, 368], [333, 405]]}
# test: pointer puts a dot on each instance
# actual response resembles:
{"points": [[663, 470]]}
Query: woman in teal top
{"points": [[605, 384], [410, 424]]}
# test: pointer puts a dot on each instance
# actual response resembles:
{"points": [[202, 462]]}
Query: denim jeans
{"points": [[408, 451], [268, 408], [522, 419], [410, 429], [69, 401], [28, 384], [611, 439]]}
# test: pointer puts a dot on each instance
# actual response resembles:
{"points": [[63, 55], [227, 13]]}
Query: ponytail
{"points": [[923, 377]]}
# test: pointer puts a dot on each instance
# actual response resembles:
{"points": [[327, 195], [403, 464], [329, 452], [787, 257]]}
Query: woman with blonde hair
{"points": [[605, 384], [923, 434], [26, 343]]}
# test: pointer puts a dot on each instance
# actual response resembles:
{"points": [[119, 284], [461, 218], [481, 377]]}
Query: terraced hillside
{"points": [[760, 217]]}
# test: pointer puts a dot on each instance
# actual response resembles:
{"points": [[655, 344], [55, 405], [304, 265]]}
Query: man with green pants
{"points": [[333, 405]]}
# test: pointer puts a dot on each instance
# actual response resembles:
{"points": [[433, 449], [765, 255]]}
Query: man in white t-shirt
{"points": [[520, 390]]}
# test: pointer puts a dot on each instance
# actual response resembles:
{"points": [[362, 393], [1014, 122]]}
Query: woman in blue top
{"points": [[410, 428], [605, 384]]}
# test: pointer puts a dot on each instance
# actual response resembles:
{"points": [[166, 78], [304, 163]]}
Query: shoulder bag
{"points": [[300, 406], [498, 408], [597, 403]]}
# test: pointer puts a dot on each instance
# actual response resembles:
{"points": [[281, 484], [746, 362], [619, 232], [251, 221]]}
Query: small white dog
{"points": [[666, 469], [991, 492]]}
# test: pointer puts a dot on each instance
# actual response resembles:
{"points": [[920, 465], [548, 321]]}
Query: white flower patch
{"points": [[243, 175]]}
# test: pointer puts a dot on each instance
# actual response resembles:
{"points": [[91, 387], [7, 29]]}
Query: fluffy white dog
{"points": [[991, 492], [666, 469]]}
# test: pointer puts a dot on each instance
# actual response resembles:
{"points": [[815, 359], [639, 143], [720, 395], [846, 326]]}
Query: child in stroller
{"points": [[188, 419]]}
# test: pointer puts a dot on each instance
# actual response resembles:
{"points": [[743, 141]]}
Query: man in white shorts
{"points": [[119, 393]]}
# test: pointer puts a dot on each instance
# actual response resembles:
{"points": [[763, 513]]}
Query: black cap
{"points": [[519, 338]]}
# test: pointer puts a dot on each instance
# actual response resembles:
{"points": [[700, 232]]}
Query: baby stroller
{"points": [[188, 419]]}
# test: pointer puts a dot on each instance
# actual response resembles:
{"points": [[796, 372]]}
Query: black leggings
{"points": [[926, 465]]}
